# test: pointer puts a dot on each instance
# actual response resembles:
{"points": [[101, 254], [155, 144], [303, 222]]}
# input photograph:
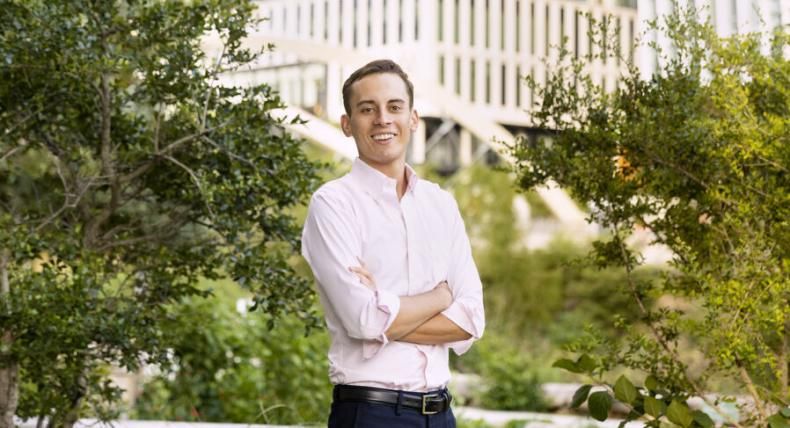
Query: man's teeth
{"points": [[383, 136]]}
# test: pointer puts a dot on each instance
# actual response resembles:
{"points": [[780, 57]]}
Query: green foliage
{"points": [[779, 420], [698, 155], [600, 403], [511, 379], [229, 367], [554, 295], [625, 391], [471, 423], [127, 172], [580, 396]]}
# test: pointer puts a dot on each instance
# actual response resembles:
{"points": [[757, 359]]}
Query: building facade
{"points": [[728, 17], [467, 59]]}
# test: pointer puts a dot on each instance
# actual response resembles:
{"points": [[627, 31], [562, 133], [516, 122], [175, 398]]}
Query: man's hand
{"points": [[443, 290], [414, 310], [363, 274]]}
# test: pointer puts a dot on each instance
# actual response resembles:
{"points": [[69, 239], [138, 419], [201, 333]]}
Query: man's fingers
{"points": [[364, 275], [359, 271]]}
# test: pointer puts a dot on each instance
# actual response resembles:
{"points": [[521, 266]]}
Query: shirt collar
{"points": [[375, 182]]}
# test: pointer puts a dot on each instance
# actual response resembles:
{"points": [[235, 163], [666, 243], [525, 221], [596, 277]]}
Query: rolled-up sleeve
{"points": [[467, 309], [331, 244]]}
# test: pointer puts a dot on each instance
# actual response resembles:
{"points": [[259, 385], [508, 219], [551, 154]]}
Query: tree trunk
{"points": [[784, 364], [9, 393], [73, 414], [9, 372]]}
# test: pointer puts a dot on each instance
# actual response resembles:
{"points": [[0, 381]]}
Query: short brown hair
{"points": [[375, 67]]}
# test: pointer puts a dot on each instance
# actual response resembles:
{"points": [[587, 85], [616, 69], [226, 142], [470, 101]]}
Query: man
{"points": [[393, 266]]}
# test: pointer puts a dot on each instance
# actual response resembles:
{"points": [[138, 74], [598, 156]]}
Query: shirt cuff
{"points": [[469, 321], [387, 305]]}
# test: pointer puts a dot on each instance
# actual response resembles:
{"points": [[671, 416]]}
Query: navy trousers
{"points": [[370, 415]]}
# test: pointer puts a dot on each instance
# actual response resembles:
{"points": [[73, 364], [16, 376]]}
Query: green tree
{"points": [[229, 367], [128, 171], [698, 154]]}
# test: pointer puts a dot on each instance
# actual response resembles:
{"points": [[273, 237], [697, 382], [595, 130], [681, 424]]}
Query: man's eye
{"points": [[396, 108], [366, 110]]}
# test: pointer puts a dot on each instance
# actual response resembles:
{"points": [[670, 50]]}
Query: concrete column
{"points": [[724, 19], [418, 144], [377, 23], [745, 16], [645, 55], [409, 18], [334, 97], [361, 21], [333, 22], [319, 21], [465, 148], [347, 23], [393, 18], [429, 19]]}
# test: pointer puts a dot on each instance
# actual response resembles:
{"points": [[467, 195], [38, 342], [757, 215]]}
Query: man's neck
{"points": [[395, 170]]}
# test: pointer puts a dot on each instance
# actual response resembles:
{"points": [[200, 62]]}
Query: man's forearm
{"points": [[416, 310], [436, 331]]}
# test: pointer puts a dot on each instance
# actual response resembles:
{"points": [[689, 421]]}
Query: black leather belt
{"points": [[427, 403]]}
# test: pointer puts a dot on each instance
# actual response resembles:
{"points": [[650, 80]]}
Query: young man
{"points": [[393, 266]]}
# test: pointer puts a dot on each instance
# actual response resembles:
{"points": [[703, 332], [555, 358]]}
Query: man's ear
{"points": [[414, 120], [345, 123]]}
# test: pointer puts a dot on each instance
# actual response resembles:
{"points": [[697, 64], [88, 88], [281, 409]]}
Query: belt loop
{"points": [[398, 405]]}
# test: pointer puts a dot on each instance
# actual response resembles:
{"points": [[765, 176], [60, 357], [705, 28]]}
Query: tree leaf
{"points": [[586, 363], [654, 407], [625, 391], [651, 383], [777, 421], [702, 419], [567, 364], [580, 396], [785, 412], [680, 414], [600, 403]]}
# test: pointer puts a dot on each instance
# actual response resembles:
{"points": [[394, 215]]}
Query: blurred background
{"points": [[469, 61]]}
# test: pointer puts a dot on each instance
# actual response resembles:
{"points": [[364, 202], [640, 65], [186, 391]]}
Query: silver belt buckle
{"points": [[424, 402]]}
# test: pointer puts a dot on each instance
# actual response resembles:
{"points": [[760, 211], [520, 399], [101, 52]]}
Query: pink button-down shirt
{"points": [[409, 246]]}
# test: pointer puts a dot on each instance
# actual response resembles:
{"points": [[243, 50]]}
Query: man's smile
{"points": [[383, 138]]}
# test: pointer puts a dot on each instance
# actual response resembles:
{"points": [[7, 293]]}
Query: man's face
{"points": [[381, 120]]}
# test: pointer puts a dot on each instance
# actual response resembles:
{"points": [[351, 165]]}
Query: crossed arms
{"points": [[420, 319], [448, 314]]}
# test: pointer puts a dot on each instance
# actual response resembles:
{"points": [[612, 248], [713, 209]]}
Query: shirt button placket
{"points": [[407, 213]]}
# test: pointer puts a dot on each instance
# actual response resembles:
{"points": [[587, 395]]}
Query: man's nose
{"points": [[383, 118]]}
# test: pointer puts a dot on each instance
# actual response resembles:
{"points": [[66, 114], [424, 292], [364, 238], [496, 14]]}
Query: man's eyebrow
{"points": [[392, 101]]}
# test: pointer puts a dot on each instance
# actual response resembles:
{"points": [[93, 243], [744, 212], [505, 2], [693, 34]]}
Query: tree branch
{"points": [[10, 152], [107, 163], [162, 234], [747, 381], [210, 90], [661, 340], [228, 152], [68, 204], [146, 166], [194, 178]]}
